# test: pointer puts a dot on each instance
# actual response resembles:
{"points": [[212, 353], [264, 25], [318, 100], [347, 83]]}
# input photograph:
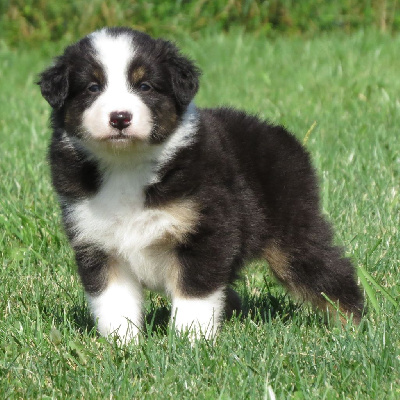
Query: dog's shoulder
{"points": [[74, 174]]}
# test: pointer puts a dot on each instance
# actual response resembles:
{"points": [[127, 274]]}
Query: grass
{"points": [[341, 90], [35, 22]]}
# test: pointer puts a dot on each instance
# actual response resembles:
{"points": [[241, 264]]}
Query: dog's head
{"points": [[118, 86]]}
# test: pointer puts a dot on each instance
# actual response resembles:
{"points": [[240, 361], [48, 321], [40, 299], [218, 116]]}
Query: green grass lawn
{"points": [[350, 87]]}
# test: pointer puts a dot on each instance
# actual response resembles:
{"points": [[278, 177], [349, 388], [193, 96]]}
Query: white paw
{"points": [[118, 310], [200, 317], [126, 330]]}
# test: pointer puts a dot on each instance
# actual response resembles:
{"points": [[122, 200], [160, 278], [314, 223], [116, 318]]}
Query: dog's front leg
{"points": [[115, 296], [118, 309], [200, 316]]}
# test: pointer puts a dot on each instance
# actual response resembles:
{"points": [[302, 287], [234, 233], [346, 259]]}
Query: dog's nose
{"points": [[120, 119]]}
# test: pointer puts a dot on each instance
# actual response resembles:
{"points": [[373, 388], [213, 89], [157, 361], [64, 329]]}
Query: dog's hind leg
{"points": [[233, 303]]}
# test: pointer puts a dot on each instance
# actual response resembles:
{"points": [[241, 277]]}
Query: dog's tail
{"points": [[318, 272]]}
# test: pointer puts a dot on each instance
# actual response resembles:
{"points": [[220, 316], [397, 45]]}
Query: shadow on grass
{"points": [[261, 308], [81, 318], [266, 307]]}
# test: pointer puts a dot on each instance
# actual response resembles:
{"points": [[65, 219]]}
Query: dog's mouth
{"points": [[119, 138], [118, 141]]}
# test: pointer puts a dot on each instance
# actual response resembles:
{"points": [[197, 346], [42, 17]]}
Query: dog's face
{"points": [[117, 87]]}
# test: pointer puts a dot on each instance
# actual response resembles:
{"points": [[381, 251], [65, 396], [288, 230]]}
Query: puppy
{"points": [[158, 194]]}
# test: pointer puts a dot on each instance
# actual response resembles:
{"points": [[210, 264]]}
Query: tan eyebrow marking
{"points": [[98, 74], [138, 74]]}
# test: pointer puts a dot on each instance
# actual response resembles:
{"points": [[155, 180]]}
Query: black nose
{"points": [[120, 119]]}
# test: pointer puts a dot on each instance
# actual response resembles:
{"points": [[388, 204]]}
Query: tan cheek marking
{"points": [[138, 74]]}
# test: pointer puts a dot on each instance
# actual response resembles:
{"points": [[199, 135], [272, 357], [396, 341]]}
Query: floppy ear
{"points": [[54, 84], [184, 74]]}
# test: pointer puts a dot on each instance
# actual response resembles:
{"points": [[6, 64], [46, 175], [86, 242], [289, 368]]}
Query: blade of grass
{"points": [[365, 277], [369, 291]]}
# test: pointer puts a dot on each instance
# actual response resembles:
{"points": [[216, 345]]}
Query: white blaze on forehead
{"points": [[114, 54]]}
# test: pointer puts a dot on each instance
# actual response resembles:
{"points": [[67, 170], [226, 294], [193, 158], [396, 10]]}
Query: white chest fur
{"points": [[136, 237]]}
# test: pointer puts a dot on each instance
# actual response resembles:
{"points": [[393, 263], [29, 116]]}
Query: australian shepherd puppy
{"points": [[158, 194]]}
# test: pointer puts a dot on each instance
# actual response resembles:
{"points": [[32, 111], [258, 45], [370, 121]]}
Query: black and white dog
{"points": [[158, 194]]}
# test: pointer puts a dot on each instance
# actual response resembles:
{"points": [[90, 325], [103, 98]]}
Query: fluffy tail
{"points": [[315, 270]]}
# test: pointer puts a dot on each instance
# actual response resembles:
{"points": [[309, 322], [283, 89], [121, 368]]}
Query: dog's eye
{"points": [[94, 88], [145, 87]]}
